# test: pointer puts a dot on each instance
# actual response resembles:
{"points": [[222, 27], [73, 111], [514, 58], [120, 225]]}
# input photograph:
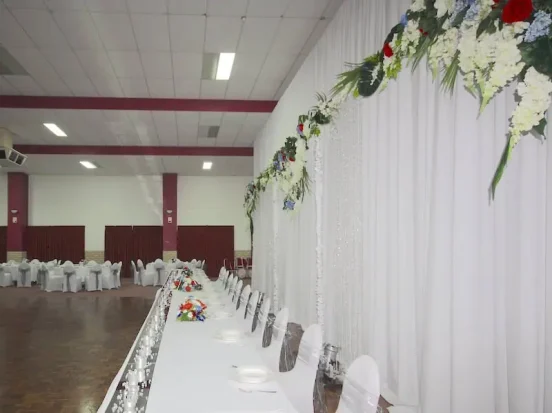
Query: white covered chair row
{"points": [[154, 274], [361, 388]]}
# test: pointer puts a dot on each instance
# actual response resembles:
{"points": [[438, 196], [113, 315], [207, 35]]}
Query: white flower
{"points": [[535, 99], [410, 38], [444, 49], [443, 7], [417, 5]]}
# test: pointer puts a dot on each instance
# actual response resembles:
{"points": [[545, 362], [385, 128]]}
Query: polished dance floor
{"points": [[60, 352]]}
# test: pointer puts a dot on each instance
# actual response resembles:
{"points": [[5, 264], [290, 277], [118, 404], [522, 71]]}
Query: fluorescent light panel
{"points": [[88, 165], [207, 165], [55, 130], [225, 63]]}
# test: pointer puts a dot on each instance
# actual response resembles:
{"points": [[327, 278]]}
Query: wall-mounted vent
{"points": [[10, 66], [208, 131]]}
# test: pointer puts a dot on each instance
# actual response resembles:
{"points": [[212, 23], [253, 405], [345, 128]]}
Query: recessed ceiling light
{"points": [[225, 63], [207, 165], [55, 130], [88, 165]]}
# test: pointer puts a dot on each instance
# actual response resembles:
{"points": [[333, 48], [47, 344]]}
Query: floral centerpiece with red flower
{"points": [[192, 309], [185, 282]]}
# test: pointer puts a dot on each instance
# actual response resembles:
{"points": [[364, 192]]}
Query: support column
{"points": [[18, 213], [170, 216]]}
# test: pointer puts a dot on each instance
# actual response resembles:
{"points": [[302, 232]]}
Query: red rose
{"points": [[188, 289], [494, 6], [387, 51], [424, 33], [176, 283], [291, 159], [300, 127], [517, 11]]}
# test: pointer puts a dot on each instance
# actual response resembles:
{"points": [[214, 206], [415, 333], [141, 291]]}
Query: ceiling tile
{"points": [[134, 87], [187, 6], [187, 65], [265, 90], [147, 6], [25, 84], [267, 8], [151, 31], [65, 62], [276, 67], [292, 35], [6, 88], [160, 88], [185, 88], [115, 30], [80, 85], [185, 119], [107, 86], [25, 4], [79, 30], [233, 118], [107, 6], [226, 7], [306, 8], [11, 32], [240, 88], [210, 118], [66, 4], [222, 34], [165, 124], [256, 120], [126, 64], [206, 141], [95, 63], [213, 89], [33, 62], [54, 86], [187, 33], [247, 65], [157, 64], [41, 27], [257, 34]]}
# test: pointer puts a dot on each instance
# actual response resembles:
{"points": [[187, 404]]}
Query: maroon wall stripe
{"points": [[156, 104], [18, 200], [170, 203], [133, 150]]}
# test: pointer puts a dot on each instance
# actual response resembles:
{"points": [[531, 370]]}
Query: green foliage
{"points": [[544, 5], [538, 54]]}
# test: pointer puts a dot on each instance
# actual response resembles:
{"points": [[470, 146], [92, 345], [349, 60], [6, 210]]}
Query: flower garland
{"points": [[185, 282], [490, 43], [192, 310]]}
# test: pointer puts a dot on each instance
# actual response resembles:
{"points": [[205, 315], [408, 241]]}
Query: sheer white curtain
{"points": [[445, 290]]}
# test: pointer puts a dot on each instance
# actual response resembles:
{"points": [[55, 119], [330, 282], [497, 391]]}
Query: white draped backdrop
{"points": [[398, 251]]}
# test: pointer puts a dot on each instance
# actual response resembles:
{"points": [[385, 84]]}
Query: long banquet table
{"points": [[194, 371]]}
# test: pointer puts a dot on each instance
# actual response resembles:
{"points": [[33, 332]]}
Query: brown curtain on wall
{"points": [[3, 244], [148, 243], [210, 243], [119, 246], [65, 243]]}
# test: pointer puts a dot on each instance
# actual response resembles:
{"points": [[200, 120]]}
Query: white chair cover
{"points": [[54, 278], [24, 275], [115, 276], [70, 282], [94, 279], [146, 275], [160, 272], [107, 277], [249, 312], [42, 275], [233, 297], [5, 277], [241, 302], [361, 387], [258, 334], [298, 384], [136, 274], [271, 354]]}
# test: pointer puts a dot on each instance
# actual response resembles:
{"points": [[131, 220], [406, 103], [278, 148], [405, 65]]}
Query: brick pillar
{"points": [[18, 212], [170, 219]]}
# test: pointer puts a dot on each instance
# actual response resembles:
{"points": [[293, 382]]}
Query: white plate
{"points": [[252, 374]]}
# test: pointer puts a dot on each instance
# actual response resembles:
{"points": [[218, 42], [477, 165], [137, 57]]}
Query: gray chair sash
{"points": [[114, 273], [68, 276], [41, 278], [23, 275], [158, 276], [97, 278]]}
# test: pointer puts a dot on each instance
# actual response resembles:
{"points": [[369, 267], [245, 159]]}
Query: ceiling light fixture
{"points": [[207, 165], [88, 165], [55, 130], [225, 63]]}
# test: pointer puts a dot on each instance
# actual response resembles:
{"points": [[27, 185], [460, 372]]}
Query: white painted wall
{"points": [[215, 201], [3, 200], [94, 201]]}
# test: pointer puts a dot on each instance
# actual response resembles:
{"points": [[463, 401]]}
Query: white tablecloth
{"points": [[193, 370]]}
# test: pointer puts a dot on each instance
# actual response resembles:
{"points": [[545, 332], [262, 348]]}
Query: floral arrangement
{"points": [[186, 283], [489, 43], [192, 310], [288, 167]]}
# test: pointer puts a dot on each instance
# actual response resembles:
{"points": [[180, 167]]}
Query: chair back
{"points": [[263, 316], [237, 290], [242, 300], [140, 265], [92, 264], [24, 268], [232, 284], [252, 305], [107, 263], [67, 263], [179, 265], [361, 387], [68, 268], [97, 270], [41, 275]]}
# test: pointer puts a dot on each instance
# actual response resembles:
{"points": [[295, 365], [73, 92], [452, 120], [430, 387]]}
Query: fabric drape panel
{"points": [[3, 244], [119, 246], [147, 243], [55, 242], [448, 292]]}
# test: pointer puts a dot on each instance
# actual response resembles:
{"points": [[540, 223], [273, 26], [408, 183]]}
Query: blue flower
{"points": [[539, 27], [404, 20], [473, 11], [459, 6], [289, 204]]}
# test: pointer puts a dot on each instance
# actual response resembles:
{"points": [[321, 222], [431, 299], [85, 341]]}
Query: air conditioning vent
{"points": [[208, 131], [9, 157]]}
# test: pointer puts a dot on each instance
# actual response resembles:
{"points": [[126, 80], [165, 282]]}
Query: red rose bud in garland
{"points": [[424, 33], [291, 159], [387, 50], [517, 11], [301, 126]]}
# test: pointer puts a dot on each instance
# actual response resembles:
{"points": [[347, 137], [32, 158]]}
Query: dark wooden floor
{"points": [[60, 352]]}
